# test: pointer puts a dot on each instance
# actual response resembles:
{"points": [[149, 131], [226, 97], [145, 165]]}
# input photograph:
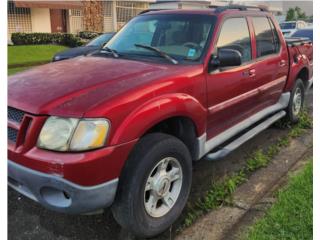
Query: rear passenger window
{"points": [[275, 36], [265, 41], [235, 35]]}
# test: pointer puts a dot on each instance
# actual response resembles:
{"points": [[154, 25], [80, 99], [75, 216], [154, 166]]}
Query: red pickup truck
{"points": [[122, 126]]}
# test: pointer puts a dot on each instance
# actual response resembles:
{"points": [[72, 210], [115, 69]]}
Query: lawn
{"points": [[30, 55], [291, 216]]}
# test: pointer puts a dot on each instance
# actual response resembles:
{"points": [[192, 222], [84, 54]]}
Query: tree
{"points": [[294, 14], [291, 15]]}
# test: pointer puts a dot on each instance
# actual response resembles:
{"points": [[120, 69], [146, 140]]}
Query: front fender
{"points": [[144, 117]]}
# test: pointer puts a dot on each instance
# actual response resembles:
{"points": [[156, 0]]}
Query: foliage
{"points": [[291, 216], [88, 35], [294, 14], [65, 39]]}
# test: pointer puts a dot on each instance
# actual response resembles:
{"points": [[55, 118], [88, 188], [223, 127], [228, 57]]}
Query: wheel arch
{"points": [[174, 111], [303, 74]]}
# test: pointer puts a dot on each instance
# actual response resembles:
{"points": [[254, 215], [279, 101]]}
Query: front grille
{"points": [[15, 114], [12, 134]]}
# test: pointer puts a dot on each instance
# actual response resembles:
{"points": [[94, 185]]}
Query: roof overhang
{"points": [[56, 4]]}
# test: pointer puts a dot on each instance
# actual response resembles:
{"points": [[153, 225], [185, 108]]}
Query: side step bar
{"points": [[245, 137]]}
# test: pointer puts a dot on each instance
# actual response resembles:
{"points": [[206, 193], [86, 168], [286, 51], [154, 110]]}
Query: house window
{"points": [[76, 12], [107, 16], [19, 19], [107, 9]]}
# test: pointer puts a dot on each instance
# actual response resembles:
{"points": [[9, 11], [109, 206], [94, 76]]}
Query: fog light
{"points": [[55, 197]]}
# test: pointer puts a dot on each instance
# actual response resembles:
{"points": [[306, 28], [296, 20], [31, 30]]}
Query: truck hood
{"points": [[71, 87]]}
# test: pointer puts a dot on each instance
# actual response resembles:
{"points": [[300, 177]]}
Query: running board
{"points": [[245, 137]]}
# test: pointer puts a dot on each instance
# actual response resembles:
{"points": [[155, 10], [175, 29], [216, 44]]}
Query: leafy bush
{"points": [[88, 35], [65, 39]]}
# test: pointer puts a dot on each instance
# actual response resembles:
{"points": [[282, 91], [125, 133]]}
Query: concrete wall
{"points": [[40, 20]]}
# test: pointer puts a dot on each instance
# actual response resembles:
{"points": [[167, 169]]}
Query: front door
{"points": [[232, 91], [58, 20]]}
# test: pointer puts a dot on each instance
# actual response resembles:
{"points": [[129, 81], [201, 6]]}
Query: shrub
{"points": [[65, 39], [88, 35]]}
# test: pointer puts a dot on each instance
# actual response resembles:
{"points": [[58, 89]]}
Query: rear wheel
{"points": [[296, 101], [154, 185]]}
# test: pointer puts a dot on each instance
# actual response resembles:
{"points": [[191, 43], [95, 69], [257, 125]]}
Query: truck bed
{"points": [[297, 41]]}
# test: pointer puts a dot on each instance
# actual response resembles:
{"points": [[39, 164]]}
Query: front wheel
{"points": [[154, 185], [296, 101]]}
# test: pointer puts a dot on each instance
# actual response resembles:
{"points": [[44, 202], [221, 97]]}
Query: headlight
{"points": [[63, 134], [90, 134], [56, 58]]}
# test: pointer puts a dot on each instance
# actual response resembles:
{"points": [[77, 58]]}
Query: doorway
{"points": [[58, 18]]}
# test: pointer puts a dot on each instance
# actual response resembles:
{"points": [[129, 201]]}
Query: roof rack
{"points": [[238, 7], [149, 10]]}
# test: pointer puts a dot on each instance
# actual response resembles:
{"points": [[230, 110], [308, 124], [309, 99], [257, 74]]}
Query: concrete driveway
{"points": [[28, 220]]}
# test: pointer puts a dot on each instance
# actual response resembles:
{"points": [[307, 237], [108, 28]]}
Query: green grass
{"points": [[12, 71], [220, 192], [30, 55], [291, 216]]}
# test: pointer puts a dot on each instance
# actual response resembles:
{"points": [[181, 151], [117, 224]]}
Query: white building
{"points": [[67, 16]]}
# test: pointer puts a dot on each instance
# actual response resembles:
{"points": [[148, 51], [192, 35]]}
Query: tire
{"points": [[133, 208], [295, 105]]}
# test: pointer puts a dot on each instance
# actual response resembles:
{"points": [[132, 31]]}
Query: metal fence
{"points": [[75, 21], [19, 19]]}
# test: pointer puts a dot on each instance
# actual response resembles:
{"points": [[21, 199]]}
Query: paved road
{"points": [[28, 220]]}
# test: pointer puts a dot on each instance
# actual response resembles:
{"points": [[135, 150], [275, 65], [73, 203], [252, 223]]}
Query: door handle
{"points": [[252, 72], [282, 63], [249, 73]]}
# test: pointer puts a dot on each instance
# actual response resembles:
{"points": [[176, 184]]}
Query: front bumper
{"points": [[58, 194]]}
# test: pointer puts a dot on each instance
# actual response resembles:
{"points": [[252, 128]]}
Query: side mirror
{"points": [[226, 58]]}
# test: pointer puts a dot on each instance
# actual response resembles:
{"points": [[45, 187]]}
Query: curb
{"points": [[218, 223]]}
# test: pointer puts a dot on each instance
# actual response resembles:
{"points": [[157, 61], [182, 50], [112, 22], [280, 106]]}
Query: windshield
{"points": [[291, 25], [181, 36], [100, 40], [304, 33]]}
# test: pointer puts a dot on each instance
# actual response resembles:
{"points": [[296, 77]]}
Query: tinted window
{"points": [[264, 37], [275, 36], [235, 35], [100, 40], [308, 33]]}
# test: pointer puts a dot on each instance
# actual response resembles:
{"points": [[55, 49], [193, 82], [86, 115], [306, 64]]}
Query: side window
{"points": [[265, 41], [235, 35]]}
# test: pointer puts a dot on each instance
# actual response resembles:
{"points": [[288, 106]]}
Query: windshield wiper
{"points": [[161, 53], [109, 50]]}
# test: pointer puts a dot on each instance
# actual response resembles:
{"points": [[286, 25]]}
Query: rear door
{"points": [[271, 65], [231, 91]]}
